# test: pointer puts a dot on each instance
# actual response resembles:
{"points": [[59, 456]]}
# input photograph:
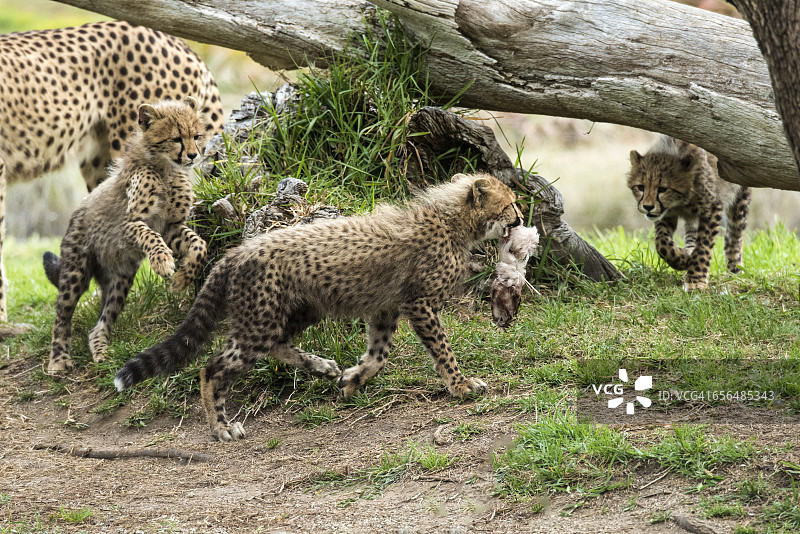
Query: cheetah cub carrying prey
{"points": [[675, 180], [139, 211], [396, 261]]}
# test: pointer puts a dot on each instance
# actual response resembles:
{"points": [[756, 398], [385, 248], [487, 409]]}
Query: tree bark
{"points": [[654, 64], [776, 26]]}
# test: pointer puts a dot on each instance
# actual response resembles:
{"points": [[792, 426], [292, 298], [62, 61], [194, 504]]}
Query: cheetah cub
{"points": [[395, 262], [139, 211], [675, 180]]}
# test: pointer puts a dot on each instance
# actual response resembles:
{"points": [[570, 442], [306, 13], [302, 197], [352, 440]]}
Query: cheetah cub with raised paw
{"points": [[676, 180], [140, 211]]}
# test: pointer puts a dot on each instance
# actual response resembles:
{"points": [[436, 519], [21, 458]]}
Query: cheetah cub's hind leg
{"points": [[215, 379], [73, 281], [734, 235], [380, 338], [690, 236], [114, 290]]}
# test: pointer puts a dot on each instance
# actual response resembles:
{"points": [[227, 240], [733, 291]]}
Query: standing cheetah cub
{"points": [[139, 211], [675, 180], [396, 261]]}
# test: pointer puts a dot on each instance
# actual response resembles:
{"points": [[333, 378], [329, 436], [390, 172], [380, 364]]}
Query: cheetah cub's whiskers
{"points": [[140, 211], [395, 262], [676, 180]]}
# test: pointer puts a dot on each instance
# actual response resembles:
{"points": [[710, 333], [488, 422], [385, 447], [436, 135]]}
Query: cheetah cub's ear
{"points": [[687, 162], [191, 102], [457, 177], [147, 114], [636, 158], [480, 188]]}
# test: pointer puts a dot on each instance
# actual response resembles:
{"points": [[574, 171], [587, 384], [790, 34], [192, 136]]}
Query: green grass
{"points": [[73, 517]]}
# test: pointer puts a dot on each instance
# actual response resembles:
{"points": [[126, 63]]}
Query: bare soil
{"points": [[250, 487]]}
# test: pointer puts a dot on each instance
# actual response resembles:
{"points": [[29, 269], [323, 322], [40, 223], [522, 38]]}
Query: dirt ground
{"points": [[250, 487]]}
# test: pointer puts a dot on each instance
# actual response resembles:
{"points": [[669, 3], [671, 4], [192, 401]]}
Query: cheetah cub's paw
{"points": [[469, 387], [695, 286], [325, 368], [349, 382], [162, 263], [60, 365], [180, 281], [230, 432]]}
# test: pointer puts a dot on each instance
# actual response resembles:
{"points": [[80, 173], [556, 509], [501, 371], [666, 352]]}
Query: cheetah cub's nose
{"points": [[191, 156]]}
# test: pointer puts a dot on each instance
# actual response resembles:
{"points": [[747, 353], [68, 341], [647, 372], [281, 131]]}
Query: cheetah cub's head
{"points": [[493, 205], [173, 130], [660, 181]]}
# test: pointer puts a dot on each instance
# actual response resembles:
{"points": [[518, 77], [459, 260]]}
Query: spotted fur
{"points": [[140, 211], [394, 262], [676, 180], [74, 93]]}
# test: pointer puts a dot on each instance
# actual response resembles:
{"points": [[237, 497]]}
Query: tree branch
{"points": [[175, 454]]}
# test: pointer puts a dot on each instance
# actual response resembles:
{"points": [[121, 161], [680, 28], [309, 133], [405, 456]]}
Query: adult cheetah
{"points": [[74, 93]]}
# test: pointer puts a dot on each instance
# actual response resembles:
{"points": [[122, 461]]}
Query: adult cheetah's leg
{"points": [[380, 337], [95, 162], [734, 235], [186, 243], [114, 291], [3, 281], [665, 246], [710, 217], [72, 283], [288, 353], [425, 321]]}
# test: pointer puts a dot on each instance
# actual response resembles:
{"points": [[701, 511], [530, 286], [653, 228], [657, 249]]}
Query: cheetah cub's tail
{"points": [[182, 346], [52, 267]]}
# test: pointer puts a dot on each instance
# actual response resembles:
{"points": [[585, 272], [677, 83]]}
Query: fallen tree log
{"points": [[655, 64]]}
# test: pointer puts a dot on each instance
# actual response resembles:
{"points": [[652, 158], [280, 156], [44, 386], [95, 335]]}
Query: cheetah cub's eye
{"points": [[639, 188], [177, 139], [196, 137], [662, 189]]}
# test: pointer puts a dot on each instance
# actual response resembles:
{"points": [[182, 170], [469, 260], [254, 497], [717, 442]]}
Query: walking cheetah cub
{"points": [[675, 180], [396, 261], [139, 211]]}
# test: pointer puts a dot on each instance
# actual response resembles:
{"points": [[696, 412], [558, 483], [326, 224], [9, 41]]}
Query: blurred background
{"points": [[587, 161]]}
